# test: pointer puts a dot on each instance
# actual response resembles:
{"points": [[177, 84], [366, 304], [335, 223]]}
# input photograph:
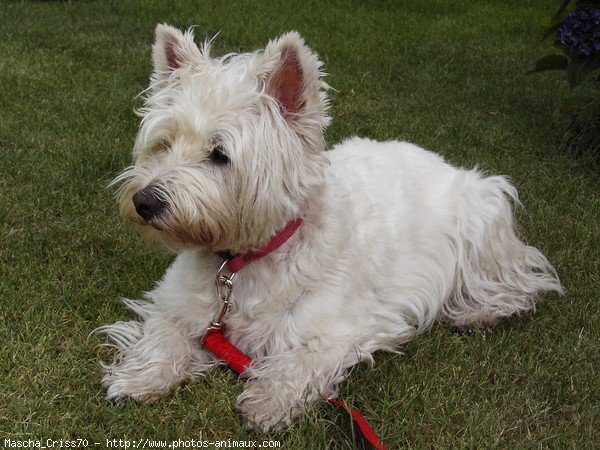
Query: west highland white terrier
{"points": [[229, 151]]}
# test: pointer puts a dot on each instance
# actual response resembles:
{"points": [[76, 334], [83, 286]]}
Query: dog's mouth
{"points": [[157, 223], [154, 223], [149, 227], [168, 228]]}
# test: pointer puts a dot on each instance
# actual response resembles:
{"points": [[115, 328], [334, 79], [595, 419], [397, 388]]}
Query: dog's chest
{"points": [[262, 319]]}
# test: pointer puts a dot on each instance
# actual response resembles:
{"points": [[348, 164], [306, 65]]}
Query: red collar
{"points": [[238, 262]]}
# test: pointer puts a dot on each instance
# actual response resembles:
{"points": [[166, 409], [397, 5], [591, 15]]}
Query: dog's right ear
{"points": [[172, 50]]}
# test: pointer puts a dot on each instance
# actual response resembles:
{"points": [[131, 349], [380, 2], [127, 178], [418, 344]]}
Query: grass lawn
{"points": [[447, 75]]}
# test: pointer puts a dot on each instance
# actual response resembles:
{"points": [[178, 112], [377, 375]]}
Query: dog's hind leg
{"points": [[497, 275]]}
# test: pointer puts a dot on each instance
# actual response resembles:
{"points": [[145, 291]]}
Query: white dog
{"points": [[229, 151]]}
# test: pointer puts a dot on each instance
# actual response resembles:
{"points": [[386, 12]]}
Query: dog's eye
{"points": [[218, 156], [161, 146]]}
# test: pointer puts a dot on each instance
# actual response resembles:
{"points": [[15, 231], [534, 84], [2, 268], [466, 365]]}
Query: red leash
{"points": [[215, 342]]}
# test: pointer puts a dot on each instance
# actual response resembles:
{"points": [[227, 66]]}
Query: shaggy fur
{"points": [[392, 236]]}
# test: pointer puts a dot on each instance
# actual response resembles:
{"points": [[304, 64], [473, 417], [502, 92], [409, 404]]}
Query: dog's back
{"points": [[459, 221]]}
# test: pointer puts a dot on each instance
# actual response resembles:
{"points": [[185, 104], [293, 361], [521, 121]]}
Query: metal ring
{"points": [[221, 270]]}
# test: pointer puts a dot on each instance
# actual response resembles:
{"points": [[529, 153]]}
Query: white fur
{"points": [[393, 237]]}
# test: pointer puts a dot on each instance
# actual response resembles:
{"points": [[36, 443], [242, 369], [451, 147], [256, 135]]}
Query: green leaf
{"points": [[548, 62]]}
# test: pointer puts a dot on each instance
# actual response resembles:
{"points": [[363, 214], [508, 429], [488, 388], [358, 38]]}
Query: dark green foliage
{"points": [[578, 37]]}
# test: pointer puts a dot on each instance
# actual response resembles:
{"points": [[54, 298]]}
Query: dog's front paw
{"points": [[151, 359], [266, 408], [143, 384], [119, 390]]}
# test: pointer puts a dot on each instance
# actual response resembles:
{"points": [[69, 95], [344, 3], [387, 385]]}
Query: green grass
{"points": [[447, 75]]}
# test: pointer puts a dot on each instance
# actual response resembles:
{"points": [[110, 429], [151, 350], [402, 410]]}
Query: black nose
{"points": [[147, 204]]}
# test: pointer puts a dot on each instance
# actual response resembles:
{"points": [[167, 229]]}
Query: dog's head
{"points": [[229, 149]]}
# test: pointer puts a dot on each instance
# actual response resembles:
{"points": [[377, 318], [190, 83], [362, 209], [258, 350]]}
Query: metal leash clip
{"points": [[223, 288]]}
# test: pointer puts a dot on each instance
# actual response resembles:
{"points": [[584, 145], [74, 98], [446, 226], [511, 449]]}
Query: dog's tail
{"points": [[497, 274]]}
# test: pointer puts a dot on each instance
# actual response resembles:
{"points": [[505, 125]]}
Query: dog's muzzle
{"points": [[147, 203]]}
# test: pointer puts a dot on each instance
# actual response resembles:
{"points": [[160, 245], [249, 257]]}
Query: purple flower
{"points": [[579, 33]]}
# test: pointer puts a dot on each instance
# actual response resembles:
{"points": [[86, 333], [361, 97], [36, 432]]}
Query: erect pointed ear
{"points": [[292, 76], [173, 49]]}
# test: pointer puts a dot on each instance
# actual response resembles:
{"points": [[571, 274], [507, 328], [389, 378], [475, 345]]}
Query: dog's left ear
{"points": [[173, 49], [292, 75]]}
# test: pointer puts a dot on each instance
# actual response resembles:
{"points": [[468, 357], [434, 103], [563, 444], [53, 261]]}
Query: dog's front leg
{"points": [[153, 355], [280, 386]]}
